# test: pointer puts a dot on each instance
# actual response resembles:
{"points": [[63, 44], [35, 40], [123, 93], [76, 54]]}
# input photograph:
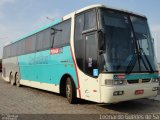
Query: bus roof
{"points": [[69, 15], [103, 6]]}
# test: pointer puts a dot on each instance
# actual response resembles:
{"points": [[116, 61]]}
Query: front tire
{"points": [[71, 91]]}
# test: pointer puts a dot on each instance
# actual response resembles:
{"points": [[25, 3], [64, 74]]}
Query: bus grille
{"points": [[133, 81], [138, 81], [146, 80]]}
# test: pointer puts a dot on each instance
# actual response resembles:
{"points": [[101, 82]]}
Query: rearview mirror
{"points": [[101, 41]]}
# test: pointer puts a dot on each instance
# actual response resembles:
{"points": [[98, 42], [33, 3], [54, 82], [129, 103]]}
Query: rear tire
{"points": [[12, 80], [71, 91], [17, 78]]}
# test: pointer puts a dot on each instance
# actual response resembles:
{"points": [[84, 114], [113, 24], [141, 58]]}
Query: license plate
{"points": [[138, 92]]}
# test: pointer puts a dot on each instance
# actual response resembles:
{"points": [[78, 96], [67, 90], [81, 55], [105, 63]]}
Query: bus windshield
{"points": [[128, 44]]}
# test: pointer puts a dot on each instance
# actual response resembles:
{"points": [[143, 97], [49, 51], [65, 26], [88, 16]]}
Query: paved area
{"points": [[26, 100], [157, 97]]}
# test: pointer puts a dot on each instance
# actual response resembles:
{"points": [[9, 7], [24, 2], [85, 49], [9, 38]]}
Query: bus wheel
{"points": [[17, 80], [12, 80], [70, 91]]}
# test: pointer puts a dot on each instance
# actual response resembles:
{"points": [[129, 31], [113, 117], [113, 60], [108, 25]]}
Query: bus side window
{"points": [[30, 44], [63, 33], [22, 48], [8, 51], [4, 53], [13, 49], [43, 40]]}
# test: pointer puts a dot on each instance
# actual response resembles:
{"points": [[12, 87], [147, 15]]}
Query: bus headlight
{"points": [[155, 80], [114, 82]]}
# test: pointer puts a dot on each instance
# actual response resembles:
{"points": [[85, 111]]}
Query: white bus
{"points": [[97, 53]]}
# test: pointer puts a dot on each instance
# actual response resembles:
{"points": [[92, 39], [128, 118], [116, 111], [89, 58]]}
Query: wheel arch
{"points": [[62, 86]]}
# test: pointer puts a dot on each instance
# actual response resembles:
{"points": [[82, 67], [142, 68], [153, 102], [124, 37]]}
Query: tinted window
{"points": [[30, 44], [90, 19], [79, 41], [8, 51], [19, 48], [62, 37], [91, 53], [83, 21], [40, 41], [119, 41], [22, 46], [13, 49], [43, 40], [4, 52], [79, 27]]}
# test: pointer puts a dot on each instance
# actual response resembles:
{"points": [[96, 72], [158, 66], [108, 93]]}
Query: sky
{"points": [[19, 17]]}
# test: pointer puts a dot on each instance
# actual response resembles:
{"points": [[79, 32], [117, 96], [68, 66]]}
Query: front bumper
{"points": [[129, 92]]}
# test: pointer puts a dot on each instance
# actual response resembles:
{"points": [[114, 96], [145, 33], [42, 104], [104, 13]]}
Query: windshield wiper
{"points": [[134, 60], [148, 62], [141, 51], [132, 63]]}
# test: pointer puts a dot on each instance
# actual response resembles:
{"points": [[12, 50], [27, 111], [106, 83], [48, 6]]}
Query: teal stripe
{"points": [[140, 76]]}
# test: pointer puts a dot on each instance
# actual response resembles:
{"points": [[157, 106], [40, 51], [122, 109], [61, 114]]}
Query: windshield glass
{"points": [[122, 33], [145, 43]]}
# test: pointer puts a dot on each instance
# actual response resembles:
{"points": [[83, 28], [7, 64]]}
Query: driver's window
{"points": [[144, 45]]}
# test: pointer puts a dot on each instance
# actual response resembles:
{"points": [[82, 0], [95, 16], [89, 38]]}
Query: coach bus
{"points": [[97, 53]]}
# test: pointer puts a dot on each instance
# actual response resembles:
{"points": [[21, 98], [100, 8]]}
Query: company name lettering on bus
{"points": [[39, 60], [119, 76], [56, 51]]}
